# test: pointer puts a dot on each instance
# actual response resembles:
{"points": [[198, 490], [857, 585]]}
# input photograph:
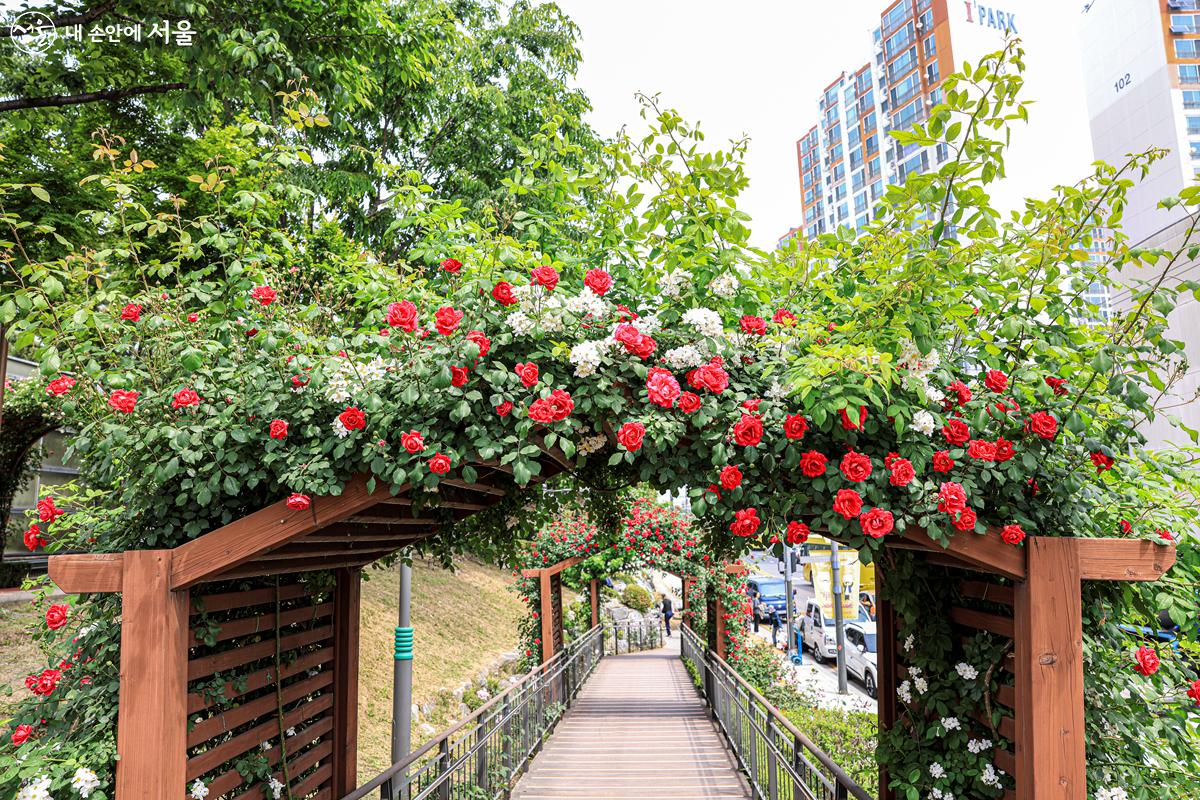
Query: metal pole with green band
{"points": [[397, 788]]}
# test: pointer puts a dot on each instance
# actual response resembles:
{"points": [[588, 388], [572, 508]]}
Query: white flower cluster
{"points": [[924, 423], [977, 746], [265, 746], [350, 379], [685, 357], [290, 731], [940, 794], [705, 321], [951, 723], [586, 356], [591, 444], [1112, 793], [777, 391], [520, 323], [647, 325], [908, 643], [904, 691], [673, 282], [919, 681], [966, 671], [726, 285], [198, 791], [936, 771], [587, 303], [991, 776], [37, 789], [916, 364], [276, 787], [84, 781], [340, 430]]}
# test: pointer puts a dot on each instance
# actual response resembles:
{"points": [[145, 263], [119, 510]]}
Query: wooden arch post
{"points": [[550, 595]]}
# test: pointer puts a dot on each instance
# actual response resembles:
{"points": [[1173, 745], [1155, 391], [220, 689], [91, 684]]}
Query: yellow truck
{"points": [[819, 546]]}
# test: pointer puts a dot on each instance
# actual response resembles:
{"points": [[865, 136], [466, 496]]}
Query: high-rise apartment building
{"points": [[1141, 65], [847, 158]]}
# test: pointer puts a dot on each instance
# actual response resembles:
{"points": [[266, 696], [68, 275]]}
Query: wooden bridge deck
{"points": [[637, 730]]}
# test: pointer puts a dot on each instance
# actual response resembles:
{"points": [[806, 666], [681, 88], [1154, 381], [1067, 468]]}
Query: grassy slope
{"points": [[18, 655]]}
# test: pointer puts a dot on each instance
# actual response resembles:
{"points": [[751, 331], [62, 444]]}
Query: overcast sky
{"points": [[758, 67]]}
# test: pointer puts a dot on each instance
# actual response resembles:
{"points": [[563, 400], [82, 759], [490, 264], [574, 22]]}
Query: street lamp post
{"points": [[836, 590]]}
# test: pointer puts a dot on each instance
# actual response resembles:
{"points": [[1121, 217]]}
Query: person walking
{"points": [[668, 611], [776, 624], [755, 607]]}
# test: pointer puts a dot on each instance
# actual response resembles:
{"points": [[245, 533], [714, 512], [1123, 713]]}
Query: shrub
{"points": [[637, 598]]}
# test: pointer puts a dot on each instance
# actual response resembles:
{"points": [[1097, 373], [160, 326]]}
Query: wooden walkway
{"points": [[637, 730]]}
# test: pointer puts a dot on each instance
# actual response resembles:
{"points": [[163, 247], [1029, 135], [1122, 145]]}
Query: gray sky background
{"points": [[758, 67]]}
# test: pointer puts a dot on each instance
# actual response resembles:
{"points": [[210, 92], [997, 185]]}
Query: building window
{"points": [[902, 65], [1185, 23], [1187, 48], [904, 91], [876, 190], [943, 152], [899, 41], [1191, 99], [930, 47], [868, 121], [906, 117], [54, 470], [1189, 74], [931, 73], [1193, 126], [843, 211], [860, 203], [1195, 150], [896, 17]]}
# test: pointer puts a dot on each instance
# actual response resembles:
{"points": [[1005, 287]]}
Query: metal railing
{"points": [[632, 636], [780, 762], [481, 756]]}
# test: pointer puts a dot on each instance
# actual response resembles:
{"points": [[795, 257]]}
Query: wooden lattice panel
{"points": [[236, 694]]}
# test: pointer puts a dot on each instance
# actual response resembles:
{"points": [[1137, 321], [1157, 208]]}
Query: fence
{"points": [[479, 757], [780, 761], [631, 636]]}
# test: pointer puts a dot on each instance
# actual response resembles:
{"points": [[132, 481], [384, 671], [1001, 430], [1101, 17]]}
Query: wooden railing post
{"points": [[152, 710], [346, 599], [594, 592]]}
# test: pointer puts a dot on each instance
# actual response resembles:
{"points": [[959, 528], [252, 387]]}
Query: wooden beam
{"points": [[546, 612], [1051, 739], [94, 572], [986, 552], [481, 488], [888, 644], [1123, 559], [152, 706], [347, 597], [594, 596], [262, 531], [553, 569], [982, 621]]}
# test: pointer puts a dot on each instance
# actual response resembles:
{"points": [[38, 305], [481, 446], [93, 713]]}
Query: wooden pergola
{"points": [[1030, 595], [550, 614]]}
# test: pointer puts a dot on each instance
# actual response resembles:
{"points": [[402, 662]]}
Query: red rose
{"points": [[1004, 450], [745, 522], [1059, 385], [795, 426], [452, 265], [876, 523], [962, 394], [123, 401], [952, 498], [1042, 424], [439, 464], [731, 477], [298, 502], [46, 683], [1102, 462], [458, 376], [264, 295], [185, 398], [402, 314], [902, 472], [598, 281], [278, 429], [661, 387], [132, 313], [504, 409], [47, 512], [528, 373], [813, 464], [193, 317], [503, 293], [711, 377], [784, 317], [1012, 534], [541, 411], [756, 326], [748, 431], [689, 402], [979, 449], [856, 467], [1163, 533], [412, 441], [447, 320], [942, 462], [545, 275], [752, 405], [995, 380], [631, 435], [956, 432], [1147, 661], [353, 419], [561, 404], [33, 537], [965, 520], [60, 385], [848, 503], [481, 341], [797, 533], [56, 616], [1125, 526], [22, 732], [850, 426], [1194, 691]]}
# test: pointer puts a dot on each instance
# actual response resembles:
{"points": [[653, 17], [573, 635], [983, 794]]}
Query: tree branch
{"points": [[87, 97], [9, 31]]}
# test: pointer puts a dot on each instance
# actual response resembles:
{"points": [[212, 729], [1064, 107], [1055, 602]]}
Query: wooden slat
{"points": [[1005, 728], [231, 779], [987, 551], [254, 534], [981, 620], [988, 592], [226, 721], [1006, 696], [86, 572], [290, 565], [306, 761], [315, 781], [1004, 760], [250, 683], [330, 536], [260, 623], [419, 529], [481, 488], [238, 656], [400, 507], [227, 601], [333, 555], [245, 742], [390, 522], [1123, 559]]}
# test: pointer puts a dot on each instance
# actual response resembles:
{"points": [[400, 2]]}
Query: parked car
{"points": [[862, 656], [816, 633], [771, 592]]}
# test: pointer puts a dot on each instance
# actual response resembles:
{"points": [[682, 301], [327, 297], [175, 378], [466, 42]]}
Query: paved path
{"points": [[638, 729]]}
